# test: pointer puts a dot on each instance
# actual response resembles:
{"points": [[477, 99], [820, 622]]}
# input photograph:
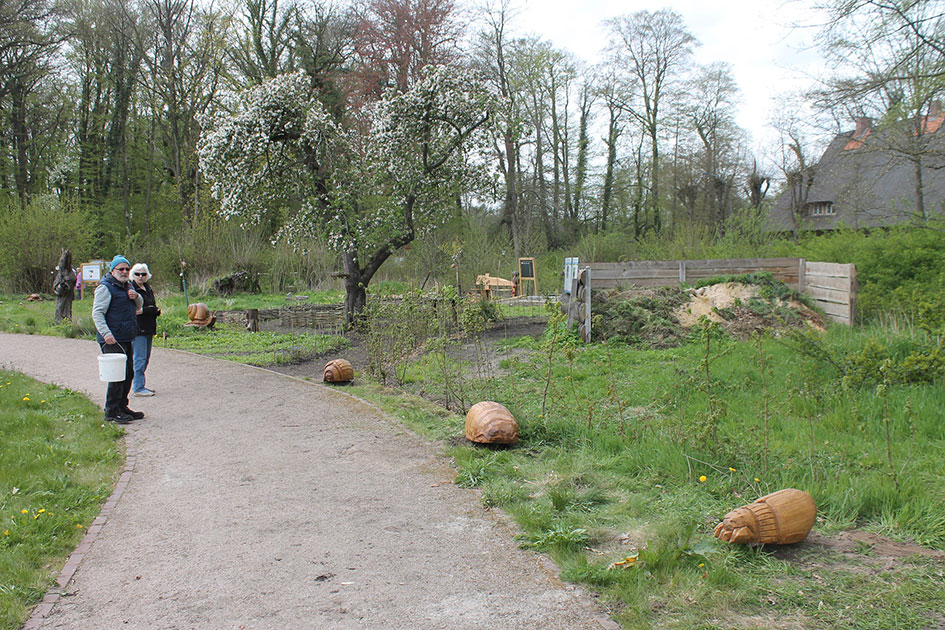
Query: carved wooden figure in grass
{"points": [[199, 314], [338, 371], [490, 423], [780, 518]]}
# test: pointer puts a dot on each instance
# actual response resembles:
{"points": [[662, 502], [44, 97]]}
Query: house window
{"points": [[820, 209]]}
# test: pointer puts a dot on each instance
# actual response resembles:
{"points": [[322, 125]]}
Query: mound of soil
{"points": [[663, 317]]}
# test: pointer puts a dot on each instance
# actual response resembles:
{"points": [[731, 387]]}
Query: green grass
{"points": [[228, 342], [613, 467], [58, 462], [610, 465], [262, 348]]}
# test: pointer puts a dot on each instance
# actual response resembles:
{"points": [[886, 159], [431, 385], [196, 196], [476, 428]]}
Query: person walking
{"points": [[114, 311], [147, 327]]}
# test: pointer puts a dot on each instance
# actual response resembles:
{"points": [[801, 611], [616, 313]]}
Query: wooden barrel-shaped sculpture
{"points": [[198, 313], [490, 423], [779, 518], [338, 371]]}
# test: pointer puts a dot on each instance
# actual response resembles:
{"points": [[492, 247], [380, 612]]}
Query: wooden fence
{"points": [[831, 285], [316, 317]]}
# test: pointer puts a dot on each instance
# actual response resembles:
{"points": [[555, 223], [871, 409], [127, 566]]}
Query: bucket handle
{"points": [[101, 348]]}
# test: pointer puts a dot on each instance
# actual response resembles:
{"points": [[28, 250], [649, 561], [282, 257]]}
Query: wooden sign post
{"points": [[91, 274], [526, 271]]}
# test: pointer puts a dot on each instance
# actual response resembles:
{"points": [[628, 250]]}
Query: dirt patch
{"points": [[706, 301], [743, 309], [854, 550]]}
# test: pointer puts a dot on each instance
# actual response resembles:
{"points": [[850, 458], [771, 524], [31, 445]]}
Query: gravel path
{"points": [[262, 501]]}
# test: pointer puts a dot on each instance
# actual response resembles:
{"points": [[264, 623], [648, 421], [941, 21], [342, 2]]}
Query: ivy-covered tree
{"points": [[371, 184]]}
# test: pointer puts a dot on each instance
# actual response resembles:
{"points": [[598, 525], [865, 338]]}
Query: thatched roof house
{"points": [[872, 176]]}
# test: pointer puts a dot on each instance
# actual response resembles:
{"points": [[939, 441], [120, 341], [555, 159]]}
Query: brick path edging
{"points": [[52, 596]]}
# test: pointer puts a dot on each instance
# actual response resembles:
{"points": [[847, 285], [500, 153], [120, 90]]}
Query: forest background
{"points": [[106, 104]]}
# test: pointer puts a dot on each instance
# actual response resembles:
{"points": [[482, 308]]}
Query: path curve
{"points": [[261, 501]]}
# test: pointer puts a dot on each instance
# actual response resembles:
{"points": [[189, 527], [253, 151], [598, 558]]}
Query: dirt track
{"points": [[261, 501]]}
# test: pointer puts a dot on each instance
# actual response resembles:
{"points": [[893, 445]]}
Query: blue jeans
{"points": [[142, 346]]}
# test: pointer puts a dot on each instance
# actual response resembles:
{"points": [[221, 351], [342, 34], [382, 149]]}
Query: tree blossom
{"points": [[371, 184]]}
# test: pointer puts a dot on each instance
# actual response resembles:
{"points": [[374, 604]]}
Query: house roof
{"points": [[867, 178]]}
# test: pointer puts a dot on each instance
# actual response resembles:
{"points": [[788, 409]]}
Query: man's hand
{"points": [[109, 339], [132, 294]]}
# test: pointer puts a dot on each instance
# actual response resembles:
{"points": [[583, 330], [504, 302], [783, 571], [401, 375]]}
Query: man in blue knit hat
{"points": [[115, 314]]}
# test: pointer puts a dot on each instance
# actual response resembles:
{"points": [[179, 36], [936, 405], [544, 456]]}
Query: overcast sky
{"points": [[768, 56]]}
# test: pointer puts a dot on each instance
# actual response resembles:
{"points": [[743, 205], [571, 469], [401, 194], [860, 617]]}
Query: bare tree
{"points": [[653, 47], [887, 62]]}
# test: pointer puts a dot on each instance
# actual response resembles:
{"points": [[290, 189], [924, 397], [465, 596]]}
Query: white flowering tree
{"points": [[371, 185]]}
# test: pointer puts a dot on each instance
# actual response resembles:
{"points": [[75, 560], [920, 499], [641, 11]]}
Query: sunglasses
{"points": [[122, 269], [140, 273]]}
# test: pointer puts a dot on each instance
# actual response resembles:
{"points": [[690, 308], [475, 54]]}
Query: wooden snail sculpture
{"points": [[199, 315], [782, 518], [338, 371], [490, 423]]}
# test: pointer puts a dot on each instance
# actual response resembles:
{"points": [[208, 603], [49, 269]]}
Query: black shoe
{"points": [[134, 415], [118, 418]]}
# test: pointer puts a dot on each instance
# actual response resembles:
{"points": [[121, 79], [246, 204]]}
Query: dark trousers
{"points": [[116, 397]]}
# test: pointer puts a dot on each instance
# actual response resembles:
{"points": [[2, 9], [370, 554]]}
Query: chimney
{"points": [[863, 124]]}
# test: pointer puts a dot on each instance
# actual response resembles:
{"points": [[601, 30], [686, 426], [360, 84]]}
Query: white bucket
{"points": [[111, 367]]}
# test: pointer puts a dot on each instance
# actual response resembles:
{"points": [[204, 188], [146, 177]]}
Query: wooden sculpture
{"points": [[490, 423], [338, 371], [780, 518], [199, 315]]}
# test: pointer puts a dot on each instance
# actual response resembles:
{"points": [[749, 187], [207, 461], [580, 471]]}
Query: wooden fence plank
{"points": [[828, 269], [829, 295], [752, 263], [634, 264], [828, 282]]}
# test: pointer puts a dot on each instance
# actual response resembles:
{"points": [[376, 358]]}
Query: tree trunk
{"points": [[20, 139], [613, 132], [919, 194], [355, 288]]}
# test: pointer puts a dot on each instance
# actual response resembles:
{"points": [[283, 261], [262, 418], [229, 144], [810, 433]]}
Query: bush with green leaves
{"points": [[32, 240]]}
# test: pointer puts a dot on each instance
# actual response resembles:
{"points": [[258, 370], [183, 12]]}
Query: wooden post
{"points": [[801, 273], [587, 305], [252, 320], [682, 272]]}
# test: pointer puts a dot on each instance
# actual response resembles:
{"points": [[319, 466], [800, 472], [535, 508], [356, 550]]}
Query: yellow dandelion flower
{"points": [[732, 469], [6, 532], [701, 564], [24, 511], [702, 478], [756, 479], [78, 525], [41, 510], [42, 401], [26, 398]]}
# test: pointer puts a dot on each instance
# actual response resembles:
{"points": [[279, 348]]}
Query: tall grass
{"points": [[57, 465]]}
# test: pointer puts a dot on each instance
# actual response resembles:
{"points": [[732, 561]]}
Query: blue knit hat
{"points": [[118, 259]]}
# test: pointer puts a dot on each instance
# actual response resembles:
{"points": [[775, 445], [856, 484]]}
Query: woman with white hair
{"points": [[147, 328]]}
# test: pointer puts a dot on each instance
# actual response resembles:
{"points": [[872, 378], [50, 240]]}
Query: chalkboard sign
{"points": [[526, 267]]}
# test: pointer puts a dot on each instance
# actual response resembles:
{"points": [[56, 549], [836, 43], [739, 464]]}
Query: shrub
{"points": [[32, 239]]}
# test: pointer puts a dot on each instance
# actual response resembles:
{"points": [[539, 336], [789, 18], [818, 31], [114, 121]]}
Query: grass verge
{"points": [[629, 453], [58, 463]]}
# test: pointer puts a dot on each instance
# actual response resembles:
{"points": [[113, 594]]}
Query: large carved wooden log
{"points": [[64, 287], [338, 371], [490, 423], [782, 518]]}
